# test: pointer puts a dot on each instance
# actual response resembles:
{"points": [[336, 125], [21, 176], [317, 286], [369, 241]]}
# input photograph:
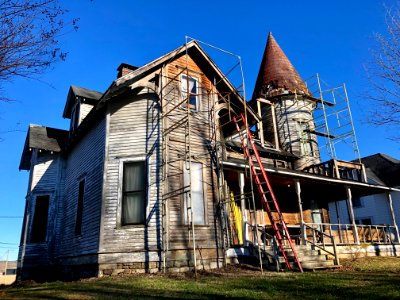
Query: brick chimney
{"points": [[124, 69]]}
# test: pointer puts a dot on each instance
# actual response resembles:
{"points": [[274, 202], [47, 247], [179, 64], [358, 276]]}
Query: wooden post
{"points": [[276, 138], [300, 203], [336, 169], [243, 207], [260, 124], [351, 213], [390, 202], [364, 174]]}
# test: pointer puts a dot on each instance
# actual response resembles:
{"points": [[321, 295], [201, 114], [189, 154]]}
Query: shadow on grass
{"points": [[329, 285]]}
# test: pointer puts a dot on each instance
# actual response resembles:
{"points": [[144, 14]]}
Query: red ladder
{"points": [[265, 190]]}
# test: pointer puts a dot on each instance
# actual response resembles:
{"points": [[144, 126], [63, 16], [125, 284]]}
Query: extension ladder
{"points": [[265, 190]]}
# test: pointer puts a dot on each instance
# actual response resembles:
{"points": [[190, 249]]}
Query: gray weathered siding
{"points": [[85, 161], [45, 171], [133, 133]]}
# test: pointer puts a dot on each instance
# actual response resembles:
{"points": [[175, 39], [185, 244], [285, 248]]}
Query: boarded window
{"points": [[134, 193], [79, 209], [197, 192], [39, 224], [190, 84]]}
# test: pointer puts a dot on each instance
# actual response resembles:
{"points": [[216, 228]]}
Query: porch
{"points": [[304, 201]]}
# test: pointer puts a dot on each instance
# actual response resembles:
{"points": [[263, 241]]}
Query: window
{"points": [[79, 211], [356, 201], [305, 139], [190, 83], [134, 193], [197, 193], [363, 221], [39, 224]]}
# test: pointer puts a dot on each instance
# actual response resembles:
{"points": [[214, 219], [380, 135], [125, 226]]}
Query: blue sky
{"points": [[332, 38]]}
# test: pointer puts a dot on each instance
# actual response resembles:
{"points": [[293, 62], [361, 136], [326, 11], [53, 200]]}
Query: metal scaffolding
{"points": [[333, 121], [182, 139]]}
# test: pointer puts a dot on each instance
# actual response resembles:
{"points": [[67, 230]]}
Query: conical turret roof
{"points": [[277, 75]]}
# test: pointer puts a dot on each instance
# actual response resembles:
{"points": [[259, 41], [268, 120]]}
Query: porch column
{"points": [[351, 213], [302, 228], [243, 207], [390, 202]]}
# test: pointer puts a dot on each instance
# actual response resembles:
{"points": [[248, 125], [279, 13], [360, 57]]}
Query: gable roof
{"points": [[42, 138], [277, 72], [89, 96], [193, 49], [384, 167]]}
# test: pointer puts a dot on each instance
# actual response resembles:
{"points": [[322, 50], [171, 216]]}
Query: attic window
{"points": [[190, 83]]}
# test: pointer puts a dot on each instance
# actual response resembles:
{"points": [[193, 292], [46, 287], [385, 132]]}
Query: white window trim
{"points": [[197, 106], [122, 161]]}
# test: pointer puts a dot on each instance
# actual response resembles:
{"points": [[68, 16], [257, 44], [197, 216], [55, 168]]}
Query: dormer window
{"points": [[189, 85], [75, 116]]}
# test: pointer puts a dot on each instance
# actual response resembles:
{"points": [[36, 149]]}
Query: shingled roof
{"points": [[277, 74], [386, 168], [89, 96], [43, 138]]}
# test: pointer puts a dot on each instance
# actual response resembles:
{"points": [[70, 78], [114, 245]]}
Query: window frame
{"points": [[357, 202], [185, 221], [306, 149], [196, 106], [33, 227], [122, 163]]}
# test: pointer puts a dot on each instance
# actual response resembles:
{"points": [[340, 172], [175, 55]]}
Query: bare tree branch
{"points": [[29, 32], [384, 74]]}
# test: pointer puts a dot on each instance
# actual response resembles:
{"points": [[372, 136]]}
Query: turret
{"points": [[286, 106]]}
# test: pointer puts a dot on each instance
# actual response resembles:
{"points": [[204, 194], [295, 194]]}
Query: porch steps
{"points": [[310, 259], [313, 259]]}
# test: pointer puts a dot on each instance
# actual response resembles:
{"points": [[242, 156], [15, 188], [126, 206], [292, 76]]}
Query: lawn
{"points": [[373, 278]]}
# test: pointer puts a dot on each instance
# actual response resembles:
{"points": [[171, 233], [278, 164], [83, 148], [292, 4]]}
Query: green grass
{"points": [[366, 278]]}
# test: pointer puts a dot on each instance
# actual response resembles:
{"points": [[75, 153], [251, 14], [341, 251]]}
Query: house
{"points": [[383, 170], [151, 177]]}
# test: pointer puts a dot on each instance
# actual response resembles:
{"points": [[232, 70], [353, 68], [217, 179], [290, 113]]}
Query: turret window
{"points": [[305, 140]]}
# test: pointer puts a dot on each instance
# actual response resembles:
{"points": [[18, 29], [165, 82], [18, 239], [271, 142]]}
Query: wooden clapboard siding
{"points": [[288, 113], [45, 170], [133, 133], [200, 134], [85, 161], [84, 110]]}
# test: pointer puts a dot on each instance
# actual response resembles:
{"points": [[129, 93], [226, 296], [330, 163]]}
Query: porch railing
{"points": [[344, 234], [317, 240]]}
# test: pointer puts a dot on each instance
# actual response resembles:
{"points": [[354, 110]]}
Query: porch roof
{"points": [[312, 185]]}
